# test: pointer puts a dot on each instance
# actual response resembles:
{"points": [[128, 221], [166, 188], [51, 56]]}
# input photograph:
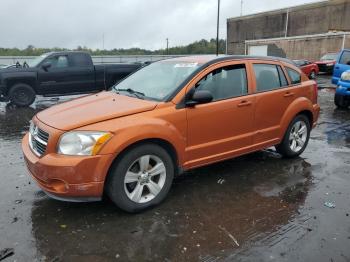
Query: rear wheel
{"points": [[141, 178], [296, 137], [312, 75], [22, 95], [340, 102]]}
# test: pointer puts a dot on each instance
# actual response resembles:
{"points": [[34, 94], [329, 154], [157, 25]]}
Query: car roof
{"points": [[211, 59]]}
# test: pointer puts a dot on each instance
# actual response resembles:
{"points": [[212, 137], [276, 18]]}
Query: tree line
{"points": [[198, 47]]}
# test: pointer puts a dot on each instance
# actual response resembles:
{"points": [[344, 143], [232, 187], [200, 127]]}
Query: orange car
{"points": [[170, 116]]}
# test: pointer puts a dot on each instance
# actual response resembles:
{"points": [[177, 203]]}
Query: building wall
{"points": [[302, 20], [310, 48]]}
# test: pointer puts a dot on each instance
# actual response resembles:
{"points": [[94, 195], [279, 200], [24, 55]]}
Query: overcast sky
{"points": [[124, 23]]}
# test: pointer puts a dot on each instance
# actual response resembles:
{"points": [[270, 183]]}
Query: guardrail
{"points": [[8, 60]]}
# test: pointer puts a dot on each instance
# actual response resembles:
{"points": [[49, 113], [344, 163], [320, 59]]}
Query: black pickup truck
{"points": [[59, 73]]}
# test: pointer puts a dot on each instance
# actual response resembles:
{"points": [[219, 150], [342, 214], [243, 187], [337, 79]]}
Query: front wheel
{"points": [[22, 95], [296, 137], [340, 102], [312, 75], [141, 178]]}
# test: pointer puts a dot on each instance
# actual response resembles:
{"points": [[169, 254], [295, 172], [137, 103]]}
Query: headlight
{"points": [[345, 76], [329, 64], [82, 143]]}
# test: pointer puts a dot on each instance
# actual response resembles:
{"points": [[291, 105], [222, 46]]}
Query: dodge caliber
{"points": [[168, 117]]}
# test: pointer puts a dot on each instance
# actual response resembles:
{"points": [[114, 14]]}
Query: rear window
{"points": [[294, 76], [345, 58], [81, 60], [269, 77]]}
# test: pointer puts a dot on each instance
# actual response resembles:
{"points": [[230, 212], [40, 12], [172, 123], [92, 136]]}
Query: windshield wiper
{"points": [[131, 91]]}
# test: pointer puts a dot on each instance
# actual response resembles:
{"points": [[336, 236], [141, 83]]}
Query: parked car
{"points": [[327, 62], [310, 69], [342, 65], [56, 74], [342, 93], [171, 116]]}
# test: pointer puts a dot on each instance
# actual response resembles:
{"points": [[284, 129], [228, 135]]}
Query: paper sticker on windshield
{"points": [[186, 65]]}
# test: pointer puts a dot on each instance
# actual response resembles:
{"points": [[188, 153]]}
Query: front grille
{"points": [[38, 139]]}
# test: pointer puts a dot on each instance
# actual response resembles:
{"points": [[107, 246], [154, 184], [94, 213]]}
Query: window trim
{"points": [[219, 67], [279, 78], [290, 79]]}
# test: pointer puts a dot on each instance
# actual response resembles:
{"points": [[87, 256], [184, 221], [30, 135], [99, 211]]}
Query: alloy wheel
{"points": [[298, 136], [145, 178]]}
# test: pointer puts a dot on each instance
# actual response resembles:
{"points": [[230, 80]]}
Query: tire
{"points": [[285, 148], [123, 189], [340, 102], [312, 75], [22, 95]]}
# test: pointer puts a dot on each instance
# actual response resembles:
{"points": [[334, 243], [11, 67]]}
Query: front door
{"points": [[55, 79], [222, 128]]}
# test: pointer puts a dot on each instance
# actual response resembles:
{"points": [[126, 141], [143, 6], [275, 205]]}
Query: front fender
{"points": [[296, 107], [137, 129]]}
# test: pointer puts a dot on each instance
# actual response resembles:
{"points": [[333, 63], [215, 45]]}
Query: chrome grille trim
{"points": [[38, 139]]}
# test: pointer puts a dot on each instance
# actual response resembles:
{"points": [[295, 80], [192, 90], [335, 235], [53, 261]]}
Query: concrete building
{"points": [[306, 31]]}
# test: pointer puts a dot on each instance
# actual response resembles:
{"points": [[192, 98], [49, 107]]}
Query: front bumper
{"points": [[71, 178], [343, 88]]}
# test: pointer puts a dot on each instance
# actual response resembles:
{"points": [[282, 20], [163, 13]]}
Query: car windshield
{"points": [[37, 60], [330, 56], [156, 81]]}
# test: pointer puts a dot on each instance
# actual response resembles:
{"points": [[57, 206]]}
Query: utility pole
{"points": [[241, 7], [217, 29], [167, 46]]}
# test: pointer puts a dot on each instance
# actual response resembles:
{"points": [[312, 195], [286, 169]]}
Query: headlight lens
{"points": [[82, 143], [345, 76]]}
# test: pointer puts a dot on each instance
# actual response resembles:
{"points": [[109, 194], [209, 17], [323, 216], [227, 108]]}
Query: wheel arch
{"points": [[300, 106], [169, 147]]}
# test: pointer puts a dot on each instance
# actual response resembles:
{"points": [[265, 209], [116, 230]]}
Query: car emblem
{"points": [[35, 132]]}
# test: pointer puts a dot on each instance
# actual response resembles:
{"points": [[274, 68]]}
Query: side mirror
{"points": [[199, 97], [46, 65]]}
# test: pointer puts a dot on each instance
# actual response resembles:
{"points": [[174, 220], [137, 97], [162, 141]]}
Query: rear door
{"points": [[274, 94], [81, 73], [343, 64]]}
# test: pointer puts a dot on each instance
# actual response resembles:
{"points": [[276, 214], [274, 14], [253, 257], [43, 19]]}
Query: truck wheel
{"points": [[141, 178], [312, 75], [22, 95], [296, 137], [339, 102]]}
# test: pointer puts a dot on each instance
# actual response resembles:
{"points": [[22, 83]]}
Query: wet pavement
{"points": [[258, 207]]}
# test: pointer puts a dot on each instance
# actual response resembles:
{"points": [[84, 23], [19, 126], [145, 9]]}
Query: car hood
{"points": [[92, 109]]}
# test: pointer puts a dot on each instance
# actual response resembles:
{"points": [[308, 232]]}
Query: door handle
{"points": [[337, 67], [288, 94], [244, 103]]}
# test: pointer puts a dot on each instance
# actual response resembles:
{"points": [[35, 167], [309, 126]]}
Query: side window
{"points": [[225, 82], [80, 60], [295, 77], [283, 79], [345, 58], [60, 61], [267, 77]]}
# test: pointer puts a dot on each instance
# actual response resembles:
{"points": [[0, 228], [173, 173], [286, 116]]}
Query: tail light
{"points": [[315, 92]]}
